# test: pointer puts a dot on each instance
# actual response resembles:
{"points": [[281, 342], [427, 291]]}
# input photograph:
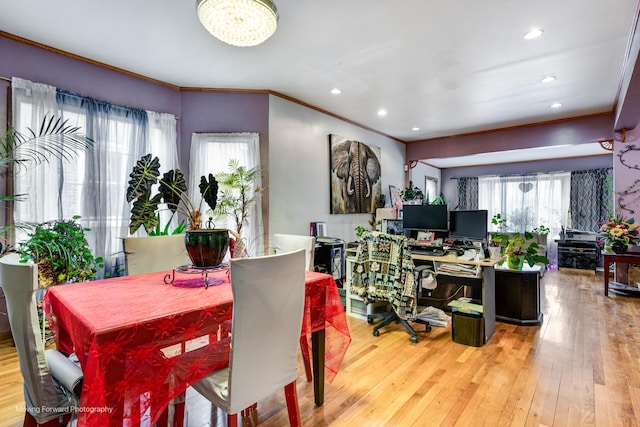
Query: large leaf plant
{"points": [[172, 190]]}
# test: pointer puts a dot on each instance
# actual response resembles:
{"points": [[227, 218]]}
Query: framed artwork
{"points": [[355, 176]]}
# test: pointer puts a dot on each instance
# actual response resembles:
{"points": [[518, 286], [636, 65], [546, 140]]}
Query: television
{"points": [[468, 225], [424, 217]]}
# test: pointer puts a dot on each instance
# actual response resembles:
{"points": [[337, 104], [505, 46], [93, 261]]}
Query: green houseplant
{"points": [[61, 251], [238, 193], [518, 248], [412, 193], [206, 247]]}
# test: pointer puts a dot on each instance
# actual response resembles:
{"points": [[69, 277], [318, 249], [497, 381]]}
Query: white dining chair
{"points": [[289, 242], [154, 253], [52, 382], [286, 243], [268, 305]]}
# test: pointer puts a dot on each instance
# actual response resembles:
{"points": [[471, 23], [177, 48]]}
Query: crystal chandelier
{"points": [[239, 22]]}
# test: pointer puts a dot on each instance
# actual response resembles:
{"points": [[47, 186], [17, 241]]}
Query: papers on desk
{"points": [[467, 256], [454, 269], [466, 306]]}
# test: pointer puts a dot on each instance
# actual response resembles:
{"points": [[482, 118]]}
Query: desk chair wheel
{"points": [[376, 333], [370, 320], [414, 339], [427, 328]]}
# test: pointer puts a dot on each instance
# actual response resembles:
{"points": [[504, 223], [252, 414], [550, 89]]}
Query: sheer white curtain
{"points": [[162, 137], [31, 103], [210, 153], [94, 184], [527, 201]]}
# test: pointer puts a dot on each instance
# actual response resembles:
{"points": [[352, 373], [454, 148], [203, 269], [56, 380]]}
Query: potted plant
{"points": [[54, 138], [61, 251], [206, 247], [238, 193], [412, 194], [618, 233], [519, 248]]}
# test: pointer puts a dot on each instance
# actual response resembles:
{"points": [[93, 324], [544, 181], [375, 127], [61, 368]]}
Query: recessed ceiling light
{"points": [[382, 112], [415, 129], [533, 34], [547, 79], [556, 105], [336, 91]]}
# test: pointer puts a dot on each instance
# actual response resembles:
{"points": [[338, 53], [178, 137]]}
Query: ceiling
{"points": [[445, 67]]}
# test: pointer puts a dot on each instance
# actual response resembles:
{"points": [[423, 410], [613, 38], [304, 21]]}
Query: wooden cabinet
{"points": [[518, 295]]}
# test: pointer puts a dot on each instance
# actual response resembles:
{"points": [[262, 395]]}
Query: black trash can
{"points": [[467, 328]]}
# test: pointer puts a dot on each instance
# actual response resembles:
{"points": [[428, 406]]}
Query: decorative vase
{"points": [[515, 262], [207, 247], [618, 247]]}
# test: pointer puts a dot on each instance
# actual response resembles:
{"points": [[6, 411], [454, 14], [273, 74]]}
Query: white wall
{"points": [[299, 169]]}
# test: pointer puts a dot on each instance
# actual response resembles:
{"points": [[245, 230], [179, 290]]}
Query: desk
{"points": [[141, 342], [626, 258], [486, 282]]}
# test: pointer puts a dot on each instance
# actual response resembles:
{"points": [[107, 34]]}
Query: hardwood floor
{"points": [[581, 367]]}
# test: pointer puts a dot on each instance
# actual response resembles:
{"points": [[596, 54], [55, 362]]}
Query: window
{"points": [[93, 185], [527, 201], [210, 153]]}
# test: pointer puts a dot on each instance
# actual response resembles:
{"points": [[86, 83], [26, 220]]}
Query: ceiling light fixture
{"points": [[239, 22], [336, 91], [548, 79], [382, 112], [533, 34], [556, 105], [415, 129]]}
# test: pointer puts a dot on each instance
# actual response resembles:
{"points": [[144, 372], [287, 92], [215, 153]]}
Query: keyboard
{"points": [[427, 250]]}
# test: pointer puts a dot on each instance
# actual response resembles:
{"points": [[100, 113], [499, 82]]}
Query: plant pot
{"points": [[207, 247], [515, 262], [618, 247], [495, 252]]}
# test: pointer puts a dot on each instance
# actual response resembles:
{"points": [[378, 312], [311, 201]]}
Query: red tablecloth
{"points": [[141, 342]]}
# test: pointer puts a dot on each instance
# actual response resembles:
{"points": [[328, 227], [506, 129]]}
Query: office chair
{"points": [[268, 304], [52, 382], [384, 271], [287, 243], [154, 253]]}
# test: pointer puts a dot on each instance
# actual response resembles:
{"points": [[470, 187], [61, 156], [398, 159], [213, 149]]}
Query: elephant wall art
{"points": [[355, 176]]}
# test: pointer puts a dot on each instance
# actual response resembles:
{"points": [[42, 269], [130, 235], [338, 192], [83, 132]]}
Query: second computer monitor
{"points": [[468, 225], [424, 217]]}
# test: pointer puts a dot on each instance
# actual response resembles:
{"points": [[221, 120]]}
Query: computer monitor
{"points": [[425, 217], [468, 225]]}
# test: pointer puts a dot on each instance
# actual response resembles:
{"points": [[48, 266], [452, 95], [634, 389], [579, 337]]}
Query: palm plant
{"points": [[238, 193], [172, 191], [54, 138]]}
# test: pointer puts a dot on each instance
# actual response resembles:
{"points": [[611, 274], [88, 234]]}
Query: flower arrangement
{"points": [[620, 231]]}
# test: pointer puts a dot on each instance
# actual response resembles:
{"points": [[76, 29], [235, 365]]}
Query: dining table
{"points": [[141, 340]]}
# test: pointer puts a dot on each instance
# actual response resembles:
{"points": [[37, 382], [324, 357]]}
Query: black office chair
{"points": [[384, 271]]}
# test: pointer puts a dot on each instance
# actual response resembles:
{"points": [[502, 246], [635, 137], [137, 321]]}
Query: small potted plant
{"points": [[61, 251], [205, 246], [519, 248], [412, 194]]}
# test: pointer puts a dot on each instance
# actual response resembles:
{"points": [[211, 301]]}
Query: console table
{"points": [[518, 295], [486, 282], [626, 258]]}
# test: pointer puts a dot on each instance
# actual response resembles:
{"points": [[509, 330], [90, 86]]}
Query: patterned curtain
{"points": [[467, 193], [590, 198]]}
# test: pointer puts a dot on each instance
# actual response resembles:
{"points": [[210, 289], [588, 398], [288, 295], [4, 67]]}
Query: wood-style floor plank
{"points": [[579, 368]]}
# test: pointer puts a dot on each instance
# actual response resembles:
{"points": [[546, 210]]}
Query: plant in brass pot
{"points": [[518, 248], [206, 246]]}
